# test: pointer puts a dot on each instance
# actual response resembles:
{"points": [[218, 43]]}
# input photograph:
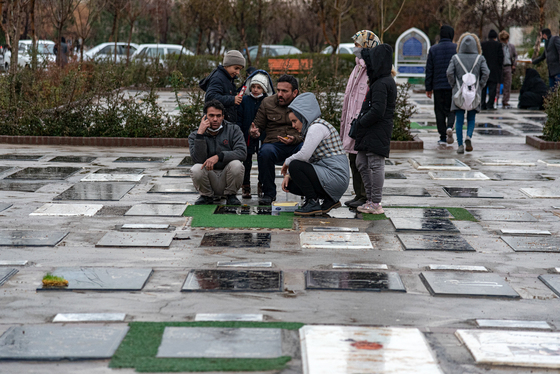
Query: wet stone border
{"points": [[537, 142]]}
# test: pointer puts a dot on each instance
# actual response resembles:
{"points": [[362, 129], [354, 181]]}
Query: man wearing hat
{"points": [[494, 55], [219, 85]]}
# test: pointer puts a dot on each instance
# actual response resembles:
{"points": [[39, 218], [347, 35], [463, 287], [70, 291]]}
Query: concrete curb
{"points": [[541, 144], [95, 141]]}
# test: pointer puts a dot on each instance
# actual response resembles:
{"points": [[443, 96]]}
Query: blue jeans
{"points": [[552, 81], [271, 154], [459, 119]]}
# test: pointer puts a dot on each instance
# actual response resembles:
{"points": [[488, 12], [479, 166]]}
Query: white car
{"points": [[106, 51], [150, 52], [271, 50], [342, 49], [45, 53]]}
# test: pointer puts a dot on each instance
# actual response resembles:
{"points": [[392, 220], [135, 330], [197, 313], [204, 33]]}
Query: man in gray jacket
{"points": [[552, 56], [217, 149]]}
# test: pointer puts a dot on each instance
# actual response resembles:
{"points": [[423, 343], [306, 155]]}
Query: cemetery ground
{"points": [[461, 275]]}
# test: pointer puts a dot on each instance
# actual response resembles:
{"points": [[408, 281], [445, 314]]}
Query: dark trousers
{"points": [[445, 118], [553, 81], [304, 181], [248, 163], [491, 86], [272, 154], [357, 182]]}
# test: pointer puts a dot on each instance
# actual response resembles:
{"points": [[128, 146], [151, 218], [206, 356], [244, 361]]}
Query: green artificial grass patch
{"points": [[416, 126], [460, 214], [203, 216], [139, 348], [373, 217]]}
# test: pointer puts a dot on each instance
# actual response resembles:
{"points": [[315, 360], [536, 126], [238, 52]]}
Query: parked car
{"points": [[45, 53], [342, 49], [151, 52], [107, 51], [270, 50]]}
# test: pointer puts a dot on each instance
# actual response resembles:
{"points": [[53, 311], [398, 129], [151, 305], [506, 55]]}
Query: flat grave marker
{"points": [[136, 239], [67, 210], [96, 191], [353, 281], [312, 240], [234, 280], [434, 242], [423, 224], [101, 279], [467, 284]]}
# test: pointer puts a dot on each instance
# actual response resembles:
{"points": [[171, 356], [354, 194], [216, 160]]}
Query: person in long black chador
{"points": [[533, 91], [494, 55]]}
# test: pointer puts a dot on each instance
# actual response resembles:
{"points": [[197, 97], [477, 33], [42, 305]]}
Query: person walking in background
{"points": [[494, 55], [437, 84], [375, 125], [354, 95], [467, 60], [552, 56], [510, 60]]}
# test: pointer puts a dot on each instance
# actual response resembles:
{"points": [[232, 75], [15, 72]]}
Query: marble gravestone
{"points": [[411, 53]]}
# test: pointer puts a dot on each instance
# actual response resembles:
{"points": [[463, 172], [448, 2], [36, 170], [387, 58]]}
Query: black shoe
{"points": [[266, 200], [232, 200], [357, 203], [351, 201], [310, 208], [329, 205], [204, 200]]}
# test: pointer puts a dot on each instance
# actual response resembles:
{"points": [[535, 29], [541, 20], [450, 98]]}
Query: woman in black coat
{"points": [[375, 124], [533, 91]]}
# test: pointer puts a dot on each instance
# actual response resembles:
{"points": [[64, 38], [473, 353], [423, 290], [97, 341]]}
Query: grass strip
{"points": [[416, 126], [139, 348], [460, 214], [203, 216]]}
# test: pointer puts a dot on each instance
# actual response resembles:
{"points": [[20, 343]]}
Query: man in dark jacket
{"points": [[436, 83], [552, 56], [220, 84], [281, 140], [494, 55], [217, 149]]}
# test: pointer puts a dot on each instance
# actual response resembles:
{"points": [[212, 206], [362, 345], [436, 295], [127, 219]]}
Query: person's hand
{"points": [[209, 164], [204, 124], [284, 170], [255, 133], [429, 94], [285, 182], [288, 139], [238, 99]]}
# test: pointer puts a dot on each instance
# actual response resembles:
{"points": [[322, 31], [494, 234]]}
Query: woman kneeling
{"points": [[320, 169]]}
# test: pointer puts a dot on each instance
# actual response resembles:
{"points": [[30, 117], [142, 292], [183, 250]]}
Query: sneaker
{"points": [[246, 191], [371, 208], [357, 203], [468, 145], [232, 200], [204, 200], [461, 149], [310, 208], [266, 200], [348, 202], [442, 143], [450, 136], [330, 204]]}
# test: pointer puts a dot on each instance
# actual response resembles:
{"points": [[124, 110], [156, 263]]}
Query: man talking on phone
{"points": [[217, 149]]}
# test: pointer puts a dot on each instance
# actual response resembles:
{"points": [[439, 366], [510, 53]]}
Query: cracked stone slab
{"points": [[467, 284], [136, 239], [31, 238], [312, 240], [68, 210], [101, 279], [96, 191]]}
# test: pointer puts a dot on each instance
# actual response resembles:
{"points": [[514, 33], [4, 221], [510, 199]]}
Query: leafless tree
{"points": [[61, 12], [86, 13]]}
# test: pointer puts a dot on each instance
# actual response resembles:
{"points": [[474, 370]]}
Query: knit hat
{"points": [[261, 80], [234, 58], [492, 34], [446, 32], [366, 39]]}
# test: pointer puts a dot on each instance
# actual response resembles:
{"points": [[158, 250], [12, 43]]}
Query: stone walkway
{"points": [[434, 285]]}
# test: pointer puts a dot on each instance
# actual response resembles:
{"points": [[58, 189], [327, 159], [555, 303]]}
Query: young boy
{"points": [[219, 85], [260, 86]]}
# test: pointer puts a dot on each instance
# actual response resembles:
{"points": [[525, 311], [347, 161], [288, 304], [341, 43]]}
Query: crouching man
{"points": [[218, 150]]}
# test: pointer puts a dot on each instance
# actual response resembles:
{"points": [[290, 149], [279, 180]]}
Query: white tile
{"points": [[524, 232], [89, 317], [504, 162], [162, 210], [13, 263], [228, 317], [312, 240], [355, 349], [512, 324], [458, 175], [541, 193], [335, 229], [439, 164], [361, 266], [112, 178], [513, 348], [144, 226], [244, 264], [458, 267], [555, 163], [51, 209]]}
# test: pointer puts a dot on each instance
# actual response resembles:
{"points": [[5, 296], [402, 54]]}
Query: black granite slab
{"points": [[20, 186], [472, 192], [141, 159], [538, 119], [73, 159], [187, 161], [236, 240], [20, 157], [100, 191], [494, 132], [505, 118], [431, 242], [31, 238], [101, 279], [6, 274], [405, 191], [244, 210], [552, 281], [533, 243], [423, 224], [394, 175], [467, 284], [48, 173], [353, 281], [527, 127], [55, 342], [234, 280], [485, 125], [120, 171]]}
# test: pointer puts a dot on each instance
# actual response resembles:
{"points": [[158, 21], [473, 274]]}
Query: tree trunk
{"points": [[128, 44], [33, 34], [199, 42]]}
